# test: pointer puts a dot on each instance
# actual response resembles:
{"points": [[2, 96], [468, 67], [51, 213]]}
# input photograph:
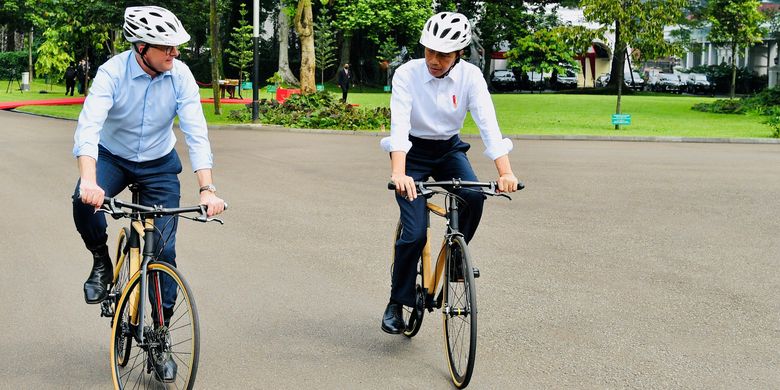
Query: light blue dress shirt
{"points": [[430, 108], [131, 114]]}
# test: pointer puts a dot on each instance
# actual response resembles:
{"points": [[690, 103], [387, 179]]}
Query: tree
{"points": [[240, 46], [542, 51], [638, 24], [53, 56], [737, 25], [325, 44], [304, 26], [284, 45], [215, 54], [80, 29], [378, 19]]}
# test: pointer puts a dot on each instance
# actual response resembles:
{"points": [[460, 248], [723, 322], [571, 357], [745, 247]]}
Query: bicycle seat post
{"points": [[136, 191]]}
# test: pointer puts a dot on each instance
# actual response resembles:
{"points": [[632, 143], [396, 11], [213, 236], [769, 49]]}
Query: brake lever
{"points": [[493, 192], [207, 219]]}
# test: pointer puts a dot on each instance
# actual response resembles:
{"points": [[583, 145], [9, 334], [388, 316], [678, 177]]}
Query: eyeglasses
{"points": [[165, 49]]}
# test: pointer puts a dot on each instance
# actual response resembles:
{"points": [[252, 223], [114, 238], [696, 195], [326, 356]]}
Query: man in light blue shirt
{"points": [[125, 135]]}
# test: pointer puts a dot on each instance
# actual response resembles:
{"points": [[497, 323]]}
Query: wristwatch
{"points": [[208, 187]]}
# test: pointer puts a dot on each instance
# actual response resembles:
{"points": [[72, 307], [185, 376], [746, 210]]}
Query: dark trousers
{"points": [[159, 184], [70, 85], [344, 91], [441, 160]]}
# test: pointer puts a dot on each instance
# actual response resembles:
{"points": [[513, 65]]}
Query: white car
{"points": [[503, 80]]}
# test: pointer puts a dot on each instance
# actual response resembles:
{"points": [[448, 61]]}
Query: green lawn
{"points": [[537, 114], [654, 115]]}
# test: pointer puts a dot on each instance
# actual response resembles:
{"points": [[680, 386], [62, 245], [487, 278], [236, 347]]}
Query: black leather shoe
{"points": [[95, 288], [165, 368], [392, 321]]}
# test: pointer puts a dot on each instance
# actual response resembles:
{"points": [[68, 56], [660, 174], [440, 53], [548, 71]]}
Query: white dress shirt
{"points": [[131, 114], [430, 108]]}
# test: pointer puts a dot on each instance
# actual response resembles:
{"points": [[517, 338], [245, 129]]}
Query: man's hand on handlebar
{"points": [[90, 193], [215, 205], [404, 186], [507, 183]]}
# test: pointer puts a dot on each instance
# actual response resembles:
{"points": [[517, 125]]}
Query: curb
{"points": [[373, 133], [612, 138]]}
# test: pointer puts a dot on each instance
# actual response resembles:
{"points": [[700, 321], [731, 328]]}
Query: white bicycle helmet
{"points": [[154, 25], [446, 32]]}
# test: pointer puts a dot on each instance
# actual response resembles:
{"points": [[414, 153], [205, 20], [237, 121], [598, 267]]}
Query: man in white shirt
{"points": [[429, 103]]}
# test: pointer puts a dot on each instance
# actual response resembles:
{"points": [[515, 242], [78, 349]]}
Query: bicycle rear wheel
{"points": [[413, 316], [459, 309], [179, 339]]}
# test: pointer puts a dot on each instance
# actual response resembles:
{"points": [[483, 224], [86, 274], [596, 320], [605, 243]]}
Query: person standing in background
{"points": [[345, 77]]}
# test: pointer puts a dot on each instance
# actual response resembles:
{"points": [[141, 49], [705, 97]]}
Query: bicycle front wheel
{"points": [[459, 308], [170, 338], [121, 276]]}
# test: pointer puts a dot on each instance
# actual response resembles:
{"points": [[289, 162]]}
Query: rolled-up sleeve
{"points": [[400, 114], [484, 115], [93, 115], [192, 122]]}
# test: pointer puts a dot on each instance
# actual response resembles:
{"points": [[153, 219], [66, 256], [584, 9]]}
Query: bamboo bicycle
{"points": [[445, 285], [144, 332]]}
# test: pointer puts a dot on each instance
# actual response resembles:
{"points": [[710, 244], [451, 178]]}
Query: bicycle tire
{"points": [[459, 309], [181, 336], [412, 316], [121, 276]]}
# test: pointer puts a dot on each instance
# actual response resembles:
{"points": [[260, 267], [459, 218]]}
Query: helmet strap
{"points": [[457, 59], [142, 53]]}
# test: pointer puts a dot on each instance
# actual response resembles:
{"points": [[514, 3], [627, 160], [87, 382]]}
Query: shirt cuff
{"points": [[86, 150], [499, 149], [391, 145]]}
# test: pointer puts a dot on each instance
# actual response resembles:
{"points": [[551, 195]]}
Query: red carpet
{"points": [[80, 100], [47, 102]]}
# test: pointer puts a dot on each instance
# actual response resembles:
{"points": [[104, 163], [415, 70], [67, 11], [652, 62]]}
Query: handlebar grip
{"points": [[391, 186], [520, 185]]}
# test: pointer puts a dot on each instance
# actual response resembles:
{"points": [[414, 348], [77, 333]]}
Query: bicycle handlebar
{"points": [[114, 207], [455, 183]]}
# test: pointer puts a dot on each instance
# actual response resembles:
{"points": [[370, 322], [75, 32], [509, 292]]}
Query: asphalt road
{"points": [[622, 265]]}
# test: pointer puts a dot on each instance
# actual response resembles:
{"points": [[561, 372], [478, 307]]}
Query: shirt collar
{"points": [[427, 77], [136, 70]]}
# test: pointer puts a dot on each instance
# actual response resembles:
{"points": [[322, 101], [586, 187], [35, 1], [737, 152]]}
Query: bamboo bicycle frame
{"points": [[145, 230], [432, 277]]}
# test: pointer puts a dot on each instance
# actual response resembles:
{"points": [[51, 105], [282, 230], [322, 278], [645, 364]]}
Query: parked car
{"points": [[503, 80], [697, 83], [533, 81], [637, 84], [634, 81], [666, 82], [566, 80], [602, 80]]}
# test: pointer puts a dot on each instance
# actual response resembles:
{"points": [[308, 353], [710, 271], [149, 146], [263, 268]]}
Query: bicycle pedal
{"points": [[476, 272], [105, 309]]}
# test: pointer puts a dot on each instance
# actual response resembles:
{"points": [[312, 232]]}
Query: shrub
{"points": [[762, 103], [14, 61], [315, 111], [774, 121], [722, 106]]}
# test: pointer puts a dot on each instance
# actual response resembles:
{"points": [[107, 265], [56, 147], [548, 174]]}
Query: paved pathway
{"points": [[622, 265]]}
